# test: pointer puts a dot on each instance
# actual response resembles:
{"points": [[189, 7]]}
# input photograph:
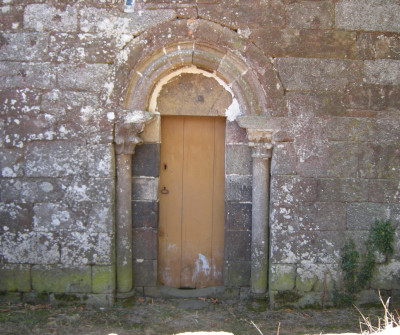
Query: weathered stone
{"points": [[15, 277], [378, 45], [311, 15], [197, 95], [100, 190], [382, 71], [32, 75], [19, 101], [244, 14], [54, 159], [11, 17], [24, 47], [61, 280], [322, 216], [342, 160], [282, 277], [383, 190], [100, 159], [306, 43], [379, 15], [145, 188], [318, 74], [284, 246], [238, 215], [103, 279], [237, 273], [284, 159], [51, 217], [15, 217], [81, 248], [349, 189], [388, 127], [364, 96], [238, 188], [145, 244], [362, 216], [89, 77], [111, 24], [238, 159], [144, 273], [43, 17], [238, 245], [145, 214], [380, 161], [29, 248], [386, 276], [235, 134], [10, 163], [146, 160], [288, 190], [89, 48]]}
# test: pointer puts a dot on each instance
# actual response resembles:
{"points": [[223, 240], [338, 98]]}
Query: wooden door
{"points": [[192, 192]]}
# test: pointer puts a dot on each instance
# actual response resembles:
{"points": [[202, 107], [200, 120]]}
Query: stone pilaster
{"points": [[260, 141], [126, 138]]}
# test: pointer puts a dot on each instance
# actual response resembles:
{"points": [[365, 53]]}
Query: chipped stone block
{"points": [[82, 248], [89, 77], [238, 160], [382, 71], [44, 17], [15, 217], [145, 214], [144, 272], [379, 15], [33, 75], [29, 248], [282, 277], [15, 277], [24, 46], [349, 189], [56, 279], [238, 245], [146, 160], [238, 188], [145, 188], [238, 215], [237, 273], [145, 244], [318, 74], [311, 15], [103, 279]]}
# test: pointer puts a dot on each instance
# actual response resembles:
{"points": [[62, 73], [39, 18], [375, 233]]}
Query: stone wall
{"points": [[330, 73]]}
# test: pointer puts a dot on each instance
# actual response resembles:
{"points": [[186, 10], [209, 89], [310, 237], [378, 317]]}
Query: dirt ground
{"points": [[146, 316]]}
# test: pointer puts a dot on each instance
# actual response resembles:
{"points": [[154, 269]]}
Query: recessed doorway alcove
{"points": [[193, 85]]}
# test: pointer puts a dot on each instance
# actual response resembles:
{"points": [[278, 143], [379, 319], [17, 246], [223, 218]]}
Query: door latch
{"points": [[164, 190]]}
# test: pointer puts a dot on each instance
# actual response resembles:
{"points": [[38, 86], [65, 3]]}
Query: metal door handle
{"points": [[164, 190]]}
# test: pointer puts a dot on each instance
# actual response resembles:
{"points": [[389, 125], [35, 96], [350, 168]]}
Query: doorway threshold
{"points": [[171, 292]]}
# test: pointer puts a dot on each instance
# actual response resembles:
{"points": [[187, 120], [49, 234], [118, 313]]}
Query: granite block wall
{"points": [[330, 72]]}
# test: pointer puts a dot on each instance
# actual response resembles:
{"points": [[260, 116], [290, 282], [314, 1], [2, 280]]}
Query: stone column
{"points": [[261, 143], [126, 138]]}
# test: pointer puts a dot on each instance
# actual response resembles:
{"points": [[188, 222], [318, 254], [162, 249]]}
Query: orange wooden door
{"points": [[192, 192]]}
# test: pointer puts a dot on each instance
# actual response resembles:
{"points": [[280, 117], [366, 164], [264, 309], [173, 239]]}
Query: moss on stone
{"points": [[283, 297], [103, 279]]}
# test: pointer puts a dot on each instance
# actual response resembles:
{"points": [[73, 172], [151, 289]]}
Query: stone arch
{"points": [[138, 71]]}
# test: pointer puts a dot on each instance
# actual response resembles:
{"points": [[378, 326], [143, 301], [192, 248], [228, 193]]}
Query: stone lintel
{"points": [[127, 128]]}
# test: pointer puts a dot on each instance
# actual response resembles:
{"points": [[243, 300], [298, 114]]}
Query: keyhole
{"points": [[165, 166]]}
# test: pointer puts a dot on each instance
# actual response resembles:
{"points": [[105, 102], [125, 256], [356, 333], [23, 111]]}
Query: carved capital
{"points": [[127, 129], [261, 142]]}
